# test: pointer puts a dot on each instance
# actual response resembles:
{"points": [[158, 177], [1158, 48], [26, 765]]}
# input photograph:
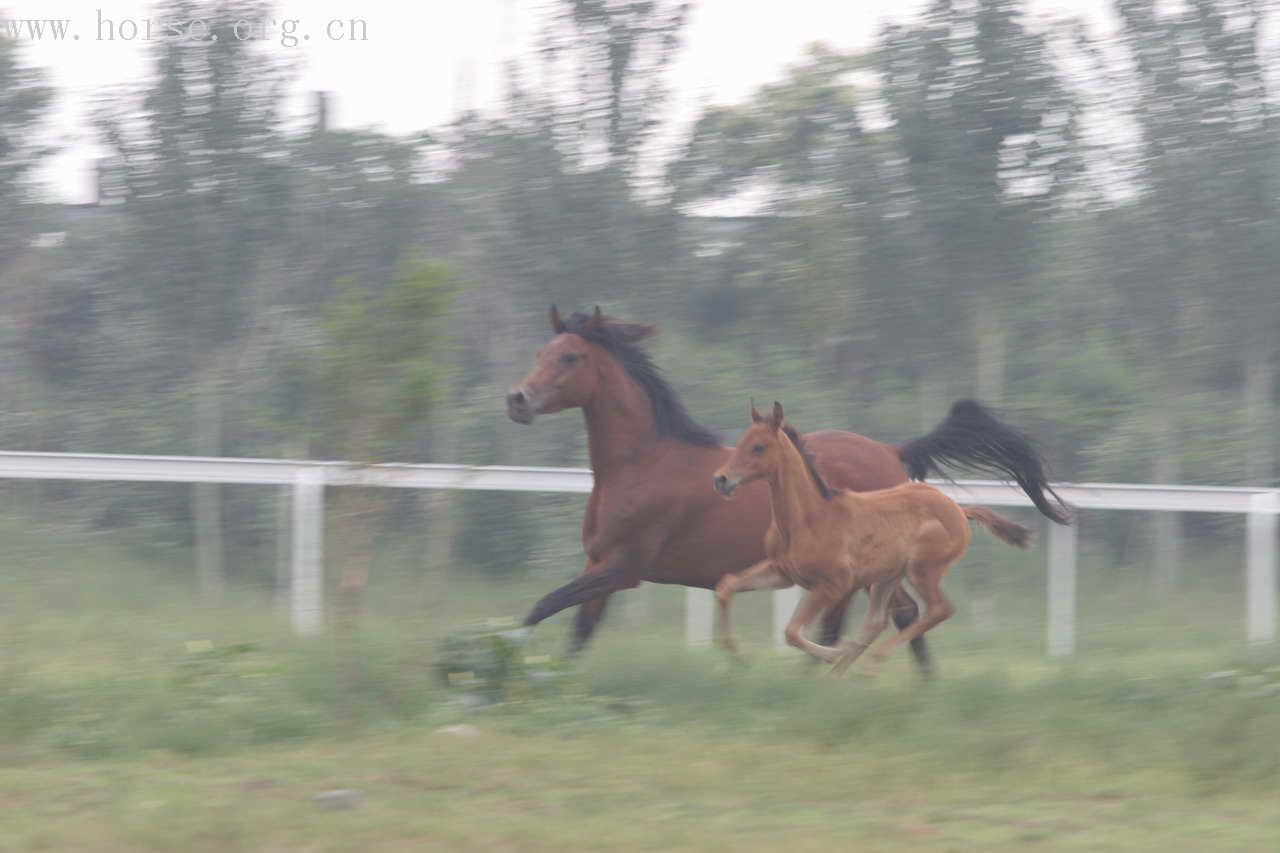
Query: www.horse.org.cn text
{"points": [[286, 32]]}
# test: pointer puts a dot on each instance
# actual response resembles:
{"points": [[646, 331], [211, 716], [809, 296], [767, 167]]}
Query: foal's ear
{"points": [[557, 325], [756, 417], [775, 419], [596, 319]]}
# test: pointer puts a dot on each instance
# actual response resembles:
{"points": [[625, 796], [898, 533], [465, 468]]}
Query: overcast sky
{"points": [[423, 60]]}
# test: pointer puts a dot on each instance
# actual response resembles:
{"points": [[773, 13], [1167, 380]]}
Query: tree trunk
{"points": [[208, 497], [356, 517], [441, 507], [1260, 428], [1166, 527], [990, 335]]}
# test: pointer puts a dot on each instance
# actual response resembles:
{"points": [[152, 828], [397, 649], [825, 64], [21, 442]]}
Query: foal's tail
{"points": [[1006, 530], [972, 437]]}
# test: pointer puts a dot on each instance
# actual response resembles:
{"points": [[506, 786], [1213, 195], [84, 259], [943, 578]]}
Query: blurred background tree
{"points": [[868, 238]]}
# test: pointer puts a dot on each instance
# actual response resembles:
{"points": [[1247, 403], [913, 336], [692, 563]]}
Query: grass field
{"points": [[133, 719]]}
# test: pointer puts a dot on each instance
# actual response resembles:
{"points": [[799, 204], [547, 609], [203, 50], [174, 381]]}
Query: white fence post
{"points": [[1062, 589], [785, 602], [1261, 567], [699, 606], [306, 593]]}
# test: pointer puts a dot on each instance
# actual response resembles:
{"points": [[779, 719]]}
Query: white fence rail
{"points": [[309, 479]]}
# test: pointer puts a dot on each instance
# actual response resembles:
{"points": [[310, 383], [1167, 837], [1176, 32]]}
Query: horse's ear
{"points": [[775, 420], [557, 325], [596, 319], [756, 417]]}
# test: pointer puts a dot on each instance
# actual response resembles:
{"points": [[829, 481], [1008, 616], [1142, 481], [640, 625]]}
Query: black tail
{"points": [[972, 437]]}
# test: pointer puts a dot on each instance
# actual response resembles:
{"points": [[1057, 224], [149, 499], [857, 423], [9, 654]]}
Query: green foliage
{"points": [[381, 367], [929, 220], [25, 99], [487, 663]]}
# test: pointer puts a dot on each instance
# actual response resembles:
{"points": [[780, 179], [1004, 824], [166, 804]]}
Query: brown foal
{"points": [[834, 543]]}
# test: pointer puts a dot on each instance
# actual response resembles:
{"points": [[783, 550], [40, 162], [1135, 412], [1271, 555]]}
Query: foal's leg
{"points": [[813, 604], [927, 580], [763, 575], [902, 608], [833, 620], [872, 626]]}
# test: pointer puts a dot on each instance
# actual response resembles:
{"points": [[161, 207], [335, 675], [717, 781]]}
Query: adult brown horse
{"points": [[652, 515]]}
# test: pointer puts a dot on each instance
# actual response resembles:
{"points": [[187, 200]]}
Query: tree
{"points": [[832, 253], [24, 103], [371, 386], [200, 173], [988, 129], [25, 100], [1202, 237]]}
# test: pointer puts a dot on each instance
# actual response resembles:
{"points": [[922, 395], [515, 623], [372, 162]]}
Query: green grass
{"points": [[131, 718]]}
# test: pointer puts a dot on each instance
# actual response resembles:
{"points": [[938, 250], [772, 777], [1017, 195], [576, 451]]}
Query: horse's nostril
{"points": [[516, 397]]}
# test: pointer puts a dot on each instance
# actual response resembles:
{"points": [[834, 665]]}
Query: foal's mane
{"points": [[622, 340], [824, 488]]}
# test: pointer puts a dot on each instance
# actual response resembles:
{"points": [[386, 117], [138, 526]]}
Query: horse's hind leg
{"points": [[872, 626], [927, 580], [834, 619], [905, 611]]}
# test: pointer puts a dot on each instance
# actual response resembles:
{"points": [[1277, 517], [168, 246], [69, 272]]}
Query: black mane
{"points": [[621, 340], [824, 488]]}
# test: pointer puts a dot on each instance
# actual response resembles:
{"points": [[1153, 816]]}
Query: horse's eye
{"points": [[758, 449], [569, 357]]}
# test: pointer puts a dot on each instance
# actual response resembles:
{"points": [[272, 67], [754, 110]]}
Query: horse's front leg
{"points": [[585, 622], [814, 604], [600, 580], [763, 575]]}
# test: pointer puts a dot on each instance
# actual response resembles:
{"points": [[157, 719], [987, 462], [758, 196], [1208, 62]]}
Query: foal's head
{"points": [[757, 454]]}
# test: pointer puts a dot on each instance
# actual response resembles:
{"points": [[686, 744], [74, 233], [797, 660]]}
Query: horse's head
{"points": [[568, 369], [563, 376], [757, 453]]}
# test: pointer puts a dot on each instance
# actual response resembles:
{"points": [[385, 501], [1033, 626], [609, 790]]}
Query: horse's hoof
{"points": [[518, 636]]}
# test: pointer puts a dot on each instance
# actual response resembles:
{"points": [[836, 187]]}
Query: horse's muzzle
{"points": [[723, 485], [519, 407]]}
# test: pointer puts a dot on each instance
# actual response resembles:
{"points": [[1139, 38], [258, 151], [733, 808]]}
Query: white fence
{"points": [[309, 479]]}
